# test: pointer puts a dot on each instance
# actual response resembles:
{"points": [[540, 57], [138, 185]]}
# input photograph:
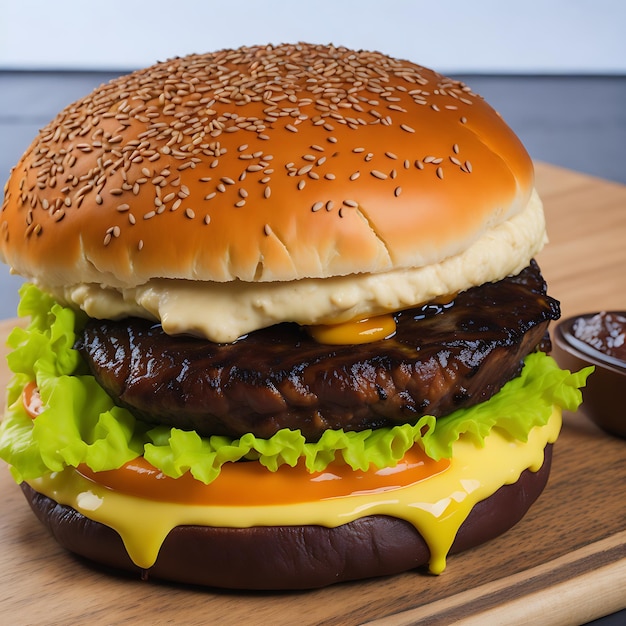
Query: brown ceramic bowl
{"points": [[604, 396]]}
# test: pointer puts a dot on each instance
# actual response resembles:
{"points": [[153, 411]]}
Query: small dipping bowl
{"points": [[604, 396]]}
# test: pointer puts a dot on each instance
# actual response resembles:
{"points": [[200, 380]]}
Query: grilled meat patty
{"points": [[441, 357]]}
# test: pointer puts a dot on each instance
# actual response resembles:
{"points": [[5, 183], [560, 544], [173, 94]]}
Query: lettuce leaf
{"points": [[81, 424]]}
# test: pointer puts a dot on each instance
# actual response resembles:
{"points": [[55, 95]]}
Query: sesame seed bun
{"points": [[272, 163]]}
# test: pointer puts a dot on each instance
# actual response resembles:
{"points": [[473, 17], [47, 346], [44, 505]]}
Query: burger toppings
{"points": [[441, 358], [81, 424], [144, 522]]}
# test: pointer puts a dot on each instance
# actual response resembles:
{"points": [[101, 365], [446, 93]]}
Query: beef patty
{"points": [[441, 357]]}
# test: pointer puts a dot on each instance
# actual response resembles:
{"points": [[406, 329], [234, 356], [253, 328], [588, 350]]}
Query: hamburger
{"points": [[286, 325]]}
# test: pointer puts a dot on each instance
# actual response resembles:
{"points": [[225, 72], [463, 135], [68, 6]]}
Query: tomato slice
{"points": [[32, 400]]}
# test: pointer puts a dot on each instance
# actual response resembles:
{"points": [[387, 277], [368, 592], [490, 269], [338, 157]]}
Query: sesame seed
{"points": [[305, 169], [267, 230], [351, 203], [317, 206], [189, 213], [397, 191], [297, 88]]}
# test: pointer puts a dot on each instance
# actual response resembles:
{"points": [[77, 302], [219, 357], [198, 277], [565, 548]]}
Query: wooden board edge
{"points": [[580, 586]]}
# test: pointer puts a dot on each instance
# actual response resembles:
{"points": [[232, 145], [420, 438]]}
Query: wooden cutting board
{"points": [[564, 563]]}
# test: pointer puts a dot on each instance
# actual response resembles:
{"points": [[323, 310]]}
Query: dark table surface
{"points": [[577, 122]]}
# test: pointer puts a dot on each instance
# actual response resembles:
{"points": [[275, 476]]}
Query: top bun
{"points": [[268, 163]]}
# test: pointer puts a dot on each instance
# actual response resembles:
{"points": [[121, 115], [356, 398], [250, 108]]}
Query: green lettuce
{"points": [[81, 424]]}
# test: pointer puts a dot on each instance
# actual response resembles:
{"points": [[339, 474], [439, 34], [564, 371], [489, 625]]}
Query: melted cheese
{"points": [[223, 312], [436, 507]]}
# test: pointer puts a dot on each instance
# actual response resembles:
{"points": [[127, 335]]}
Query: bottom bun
{"points": [[288, 557]]}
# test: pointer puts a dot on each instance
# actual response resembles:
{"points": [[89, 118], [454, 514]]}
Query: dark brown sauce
{"points": [[604, 332]]}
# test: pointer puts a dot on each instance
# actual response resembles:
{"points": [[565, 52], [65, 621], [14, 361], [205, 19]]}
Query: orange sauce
{"points": [[363, 330], [248, 483]]}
